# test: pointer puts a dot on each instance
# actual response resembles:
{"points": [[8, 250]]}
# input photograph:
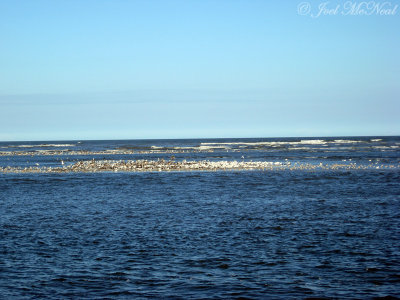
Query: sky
{"points": [[146, 69]]}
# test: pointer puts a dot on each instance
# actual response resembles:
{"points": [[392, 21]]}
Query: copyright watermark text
{"points": [[348, 8]]}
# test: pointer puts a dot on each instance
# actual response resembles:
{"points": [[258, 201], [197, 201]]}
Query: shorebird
{"points": [[62, 162]]}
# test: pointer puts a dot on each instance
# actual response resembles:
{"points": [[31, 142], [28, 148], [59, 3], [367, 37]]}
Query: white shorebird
{"points": [[62, 162]]}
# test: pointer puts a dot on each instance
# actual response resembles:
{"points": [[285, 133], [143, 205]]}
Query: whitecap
{"points": [[313, 142], [346, 141], [41, 145]]}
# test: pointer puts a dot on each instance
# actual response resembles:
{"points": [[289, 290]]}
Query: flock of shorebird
{"points": [[89, 166]]}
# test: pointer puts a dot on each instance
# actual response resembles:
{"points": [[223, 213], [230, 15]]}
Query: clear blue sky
{"points": [[126, 69]]}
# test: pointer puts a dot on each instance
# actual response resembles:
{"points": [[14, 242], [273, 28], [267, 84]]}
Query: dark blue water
{"points": [[244, 234]]}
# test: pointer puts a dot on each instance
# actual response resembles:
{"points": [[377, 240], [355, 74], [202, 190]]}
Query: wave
{"points": [[346, 142], [201, 147], [385, 147], [271, 144], [312, 142], [205, 147], [41, 145]]}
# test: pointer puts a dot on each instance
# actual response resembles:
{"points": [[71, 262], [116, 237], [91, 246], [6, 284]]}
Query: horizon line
{"points": [[199, 138]]}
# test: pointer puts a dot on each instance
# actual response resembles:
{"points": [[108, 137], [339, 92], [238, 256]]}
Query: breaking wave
{"points": [[40, 145]]}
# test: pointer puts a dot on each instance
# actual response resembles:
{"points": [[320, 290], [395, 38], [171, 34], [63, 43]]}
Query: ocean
{"points": [[319, 218]]}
